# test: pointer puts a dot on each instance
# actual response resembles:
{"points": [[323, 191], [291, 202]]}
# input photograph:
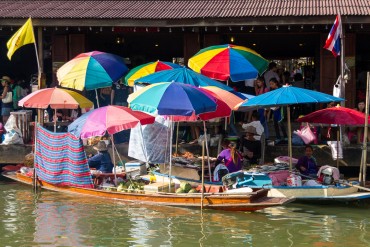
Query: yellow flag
{"points": [[22, 37]]}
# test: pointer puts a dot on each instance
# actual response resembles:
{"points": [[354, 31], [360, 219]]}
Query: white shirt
{"points": [[249, 82], [259, 128]]}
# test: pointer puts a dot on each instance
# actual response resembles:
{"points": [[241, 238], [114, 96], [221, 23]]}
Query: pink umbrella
{"points": [[111, 119]]}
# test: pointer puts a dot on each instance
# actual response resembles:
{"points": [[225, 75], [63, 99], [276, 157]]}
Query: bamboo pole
{"points": [[338, 146], [55, 120], [97, 98], [114, 160], [207, 150], [34, 157], [170, 161], [364, 142], [177, 137], [290, 152], [202, 197]]}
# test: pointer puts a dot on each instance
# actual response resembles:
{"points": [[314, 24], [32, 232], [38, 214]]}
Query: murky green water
{"points": [[56, 219]]}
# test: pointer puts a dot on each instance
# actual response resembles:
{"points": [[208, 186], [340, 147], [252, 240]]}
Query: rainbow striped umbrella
{"points": [[91, 70], [111, 119], [147, 69], [223, 62], [182, 75], [172, 99]]}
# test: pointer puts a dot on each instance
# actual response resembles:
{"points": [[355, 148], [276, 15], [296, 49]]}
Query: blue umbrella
{"points": [[286, 96], [182, 75], [172, 99], [289, 95]]}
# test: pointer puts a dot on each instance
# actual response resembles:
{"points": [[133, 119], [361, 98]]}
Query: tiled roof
{"points": [[180, 9]]}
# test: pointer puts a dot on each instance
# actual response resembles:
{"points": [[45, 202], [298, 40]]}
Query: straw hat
{"points": [[252, 130], [101, 146], [6, 78]]}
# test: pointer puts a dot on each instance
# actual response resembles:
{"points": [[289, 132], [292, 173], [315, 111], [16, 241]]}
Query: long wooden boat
{"points": [[252, 201], [335, 192]]}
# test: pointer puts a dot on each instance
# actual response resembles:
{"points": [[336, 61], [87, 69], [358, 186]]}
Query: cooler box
{"points": [[136, 164]]}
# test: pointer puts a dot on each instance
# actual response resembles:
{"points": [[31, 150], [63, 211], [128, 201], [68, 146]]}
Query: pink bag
{"points": [[306, 134]]}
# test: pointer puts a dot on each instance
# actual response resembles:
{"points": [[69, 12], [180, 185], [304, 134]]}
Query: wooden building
{"points": [[146, 30]]}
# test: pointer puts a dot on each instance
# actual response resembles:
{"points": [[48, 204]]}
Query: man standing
{"points": [[271, 73]]}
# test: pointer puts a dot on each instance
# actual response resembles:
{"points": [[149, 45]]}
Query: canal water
{"points": [[57, 219]]}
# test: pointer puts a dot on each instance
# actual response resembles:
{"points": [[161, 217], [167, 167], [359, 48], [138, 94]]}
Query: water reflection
{"points": [[55, 219]]}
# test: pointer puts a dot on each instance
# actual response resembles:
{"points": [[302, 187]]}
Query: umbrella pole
{"points": [[114, 160], [34, 180], [202, 197], [177, 137], [170, 172], [338, 147], [289, 139], [207, 150], [55, 120], [364, 142], [97, 98]]}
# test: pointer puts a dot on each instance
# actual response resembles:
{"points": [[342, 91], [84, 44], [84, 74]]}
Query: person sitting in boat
{"points": [[250, 146], [102, 160], [230, 156], [306, 165]]}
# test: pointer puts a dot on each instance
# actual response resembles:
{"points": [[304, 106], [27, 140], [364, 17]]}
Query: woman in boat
{"points": [[102, 160], [251, 147], [230, 156], [306, 165]]}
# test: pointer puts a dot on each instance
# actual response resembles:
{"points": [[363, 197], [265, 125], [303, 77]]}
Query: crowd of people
{"points": [[11, 91]]}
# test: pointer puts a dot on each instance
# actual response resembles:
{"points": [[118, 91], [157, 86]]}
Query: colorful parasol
{"points": [[111, 119], [335, 115], [56, 98], [147, 69], [230, 98], [91, 70], [223, 62], [223, 110], [286, 96], [182, 75], [172, 98]]}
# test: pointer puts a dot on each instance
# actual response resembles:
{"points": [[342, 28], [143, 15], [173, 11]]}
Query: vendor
{"points": [[251, 147], [230, 156], [102, 160], [306, 165]]}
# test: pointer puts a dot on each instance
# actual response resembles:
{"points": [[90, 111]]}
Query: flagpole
{"points": [[40, 112], [37, 57], [342, 81]]}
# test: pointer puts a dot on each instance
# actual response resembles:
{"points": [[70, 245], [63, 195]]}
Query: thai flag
{"points": [[333, 41]]}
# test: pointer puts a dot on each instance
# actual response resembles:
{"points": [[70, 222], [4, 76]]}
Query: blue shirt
{"points": [[309, 164], [102, 162]]}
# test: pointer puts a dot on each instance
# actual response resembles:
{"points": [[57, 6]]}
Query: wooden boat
{"points": [[252, 201], [335, 192]]}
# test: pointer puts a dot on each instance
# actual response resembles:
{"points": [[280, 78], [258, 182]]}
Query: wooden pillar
{"points": [[191, 45]]}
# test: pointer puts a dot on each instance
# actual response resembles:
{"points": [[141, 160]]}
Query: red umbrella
{"points": [[335, 115]]}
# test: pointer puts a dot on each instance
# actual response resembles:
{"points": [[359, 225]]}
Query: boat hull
{"points": [[232, 202], [300, 193], [319, 193]]}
